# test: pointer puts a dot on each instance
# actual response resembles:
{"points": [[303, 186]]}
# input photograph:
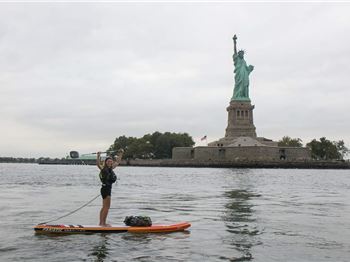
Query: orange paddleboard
{"points": [[43, 228]]}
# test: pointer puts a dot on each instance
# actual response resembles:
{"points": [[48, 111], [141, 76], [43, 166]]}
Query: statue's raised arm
{"points": [[235, 44]]}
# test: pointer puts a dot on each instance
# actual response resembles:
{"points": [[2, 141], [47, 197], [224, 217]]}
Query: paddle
{"points": [[75, 154]]}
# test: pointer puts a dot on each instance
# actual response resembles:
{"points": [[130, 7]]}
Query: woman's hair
{"points": [[108, 157]]}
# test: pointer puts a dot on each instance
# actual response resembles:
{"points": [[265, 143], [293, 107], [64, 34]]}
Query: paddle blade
{"points": [[74, 154]]}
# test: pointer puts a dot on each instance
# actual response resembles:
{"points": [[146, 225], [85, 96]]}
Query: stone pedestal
{"points": [[240, 120], [240, 129]]}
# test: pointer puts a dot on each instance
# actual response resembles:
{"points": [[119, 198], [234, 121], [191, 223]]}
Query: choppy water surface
{"points": [[236, 214]]}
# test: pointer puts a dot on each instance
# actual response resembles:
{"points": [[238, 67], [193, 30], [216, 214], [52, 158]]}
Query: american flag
{"points": [[203, 138]]}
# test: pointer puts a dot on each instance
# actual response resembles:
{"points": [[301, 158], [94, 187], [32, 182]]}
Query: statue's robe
{"points": [[242, 71]]}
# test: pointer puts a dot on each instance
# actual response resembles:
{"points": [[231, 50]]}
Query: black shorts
{"points": [[106, 191]]}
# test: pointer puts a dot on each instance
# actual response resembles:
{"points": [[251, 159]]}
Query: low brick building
{"points": [[241, 153]]}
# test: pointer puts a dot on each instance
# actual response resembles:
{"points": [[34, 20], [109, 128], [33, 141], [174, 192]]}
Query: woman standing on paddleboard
{"points": [[108, 177]]}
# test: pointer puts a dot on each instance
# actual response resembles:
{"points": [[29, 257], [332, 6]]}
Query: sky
{"points": [[74, 76]]}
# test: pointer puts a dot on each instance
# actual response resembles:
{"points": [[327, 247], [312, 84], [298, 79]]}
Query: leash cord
{"points": [[70, 213]]}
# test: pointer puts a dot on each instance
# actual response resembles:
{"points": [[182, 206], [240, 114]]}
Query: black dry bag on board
{"points": [[138, 221]]}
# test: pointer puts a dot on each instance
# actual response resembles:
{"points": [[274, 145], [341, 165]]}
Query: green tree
{"points": [[326, 149], [342, 149], [163, 146], [139, 148], [167, 141], [290, 142], [156, 145]]}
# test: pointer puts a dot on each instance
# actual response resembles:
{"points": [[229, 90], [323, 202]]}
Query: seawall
{"points": [[309, 164]]}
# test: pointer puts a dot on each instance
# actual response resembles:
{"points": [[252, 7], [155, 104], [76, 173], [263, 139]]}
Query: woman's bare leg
{"points": [[106, 203]]}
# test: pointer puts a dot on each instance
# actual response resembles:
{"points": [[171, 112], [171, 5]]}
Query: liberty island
{"points": [[241, 142]]}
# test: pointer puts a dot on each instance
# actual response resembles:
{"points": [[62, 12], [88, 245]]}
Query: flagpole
{"points": [[205, 138]]}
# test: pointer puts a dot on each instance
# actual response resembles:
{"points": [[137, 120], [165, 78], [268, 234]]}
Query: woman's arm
{"points": [[98, 161], [118, 158]]}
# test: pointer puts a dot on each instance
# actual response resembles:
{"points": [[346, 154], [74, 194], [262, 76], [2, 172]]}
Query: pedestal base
{"points": [[240, 120]]}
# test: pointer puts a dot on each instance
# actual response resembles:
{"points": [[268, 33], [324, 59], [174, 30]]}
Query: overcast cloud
{"points": [[76, 76]]}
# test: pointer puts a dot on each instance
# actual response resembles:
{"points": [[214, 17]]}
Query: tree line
{"points": [[151, 146], [322, 149], [27, 160], [17, 160]]}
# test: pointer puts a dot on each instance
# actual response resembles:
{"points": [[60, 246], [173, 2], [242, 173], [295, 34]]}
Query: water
{"points": [[236, 214]]}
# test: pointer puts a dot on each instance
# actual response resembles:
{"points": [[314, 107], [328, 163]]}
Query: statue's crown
{"points": [[241, 51]]}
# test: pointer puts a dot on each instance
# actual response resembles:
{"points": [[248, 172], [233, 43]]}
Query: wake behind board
{"points": [[114, 229]]}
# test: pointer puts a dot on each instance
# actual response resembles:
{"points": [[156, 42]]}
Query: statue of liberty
{"points": [[242, 71]]}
